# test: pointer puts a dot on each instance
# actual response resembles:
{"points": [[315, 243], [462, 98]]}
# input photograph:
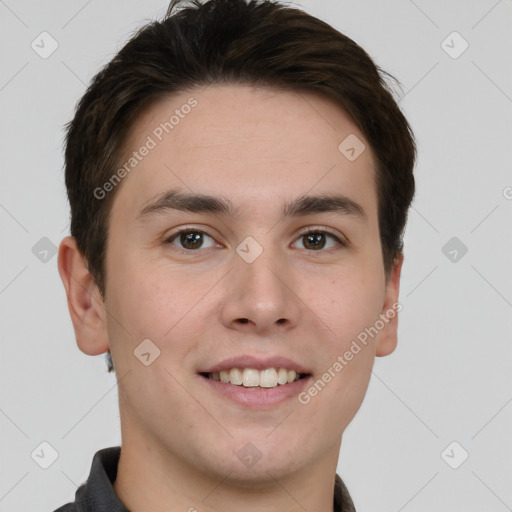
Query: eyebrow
{"points": [[178, 200]]}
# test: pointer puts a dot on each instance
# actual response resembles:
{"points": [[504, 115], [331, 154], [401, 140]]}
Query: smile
{"points": [[251, 377]]}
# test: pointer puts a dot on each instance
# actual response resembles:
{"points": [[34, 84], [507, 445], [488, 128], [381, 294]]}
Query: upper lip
{"points": [[247, 361]]}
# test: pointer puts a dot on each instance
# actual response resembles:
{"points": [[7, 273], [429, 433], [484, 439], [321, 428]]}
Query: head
{"points": [[250, 102]]}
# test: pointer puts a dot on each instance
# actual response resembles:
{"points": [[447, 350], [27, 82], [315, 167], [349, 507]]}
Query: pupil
{"points": [[313, 240], [192, 238]]}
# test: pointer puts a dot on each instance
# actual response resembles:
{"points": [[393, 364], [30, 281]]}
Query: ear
{"points": [[387, 339], [86, 306]]}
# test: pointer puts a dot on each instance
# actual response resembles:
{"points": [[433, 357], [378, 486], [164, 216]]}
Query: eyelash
{"points": [[312, 230]]}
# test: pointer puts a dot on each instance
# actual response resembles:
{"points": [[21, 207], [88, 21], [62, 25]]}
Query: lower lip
{"points": [[257, 397]]}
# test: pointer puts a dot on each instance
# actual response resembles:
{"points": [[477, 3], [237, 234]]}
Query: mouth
{"points": [[252, 378], [251, 395], [256, 382]]}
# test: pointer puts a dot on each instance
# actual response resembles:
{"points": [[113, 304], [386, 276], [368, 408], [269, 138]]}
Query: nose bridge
{"points": [[261, 266], [261, 286]]}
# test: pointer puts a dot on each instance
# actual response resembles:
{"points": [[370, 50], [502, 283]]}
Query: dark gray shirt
{"points": [[98, 495]]}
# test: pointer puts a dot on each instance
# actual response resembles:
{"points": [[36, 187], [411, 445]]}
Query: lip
{"points": [[248, 361], [257, 398]]}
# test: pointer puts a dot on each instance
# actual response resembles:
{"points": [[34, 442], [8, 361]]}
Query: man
{"points": [[239, 178]]}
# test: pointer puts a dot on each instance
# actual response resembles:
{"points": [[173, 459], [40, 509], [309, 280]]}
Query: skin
{"points": [[257, 147]]}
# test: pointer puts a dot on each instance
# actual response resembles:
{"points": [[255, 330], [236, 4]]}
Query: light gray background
{"points": [[449, 379]]}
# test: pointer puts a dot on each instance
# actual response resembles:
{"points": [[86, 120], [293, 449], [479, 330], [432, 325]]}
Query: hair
{"points": [[253, 42]]}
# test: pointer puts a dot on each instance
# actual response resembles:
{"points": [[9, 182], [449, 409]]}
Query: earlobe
{"points": [[388, 336], [85, 305]]}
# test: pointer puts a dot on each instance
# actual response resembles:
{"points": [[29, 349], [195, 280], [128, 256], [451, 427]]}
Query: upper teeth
{"points": [[250, 377]]}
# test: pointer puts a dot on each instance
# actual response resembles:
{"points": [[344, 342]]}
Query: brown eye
{"points": [[190, 239], [316, 240]]}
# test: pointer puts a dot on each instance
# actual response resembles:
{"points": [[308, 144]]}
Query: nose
{"points": [[259, 297]]}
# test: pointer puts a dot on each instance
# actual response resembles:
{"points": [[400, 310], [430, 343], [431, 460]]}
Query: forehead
{"points": [[251, 144]]}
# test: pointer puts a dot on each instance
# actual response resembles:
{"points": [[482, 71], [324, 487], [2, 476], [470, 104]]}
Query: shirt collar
{"points": [[97, 493]]}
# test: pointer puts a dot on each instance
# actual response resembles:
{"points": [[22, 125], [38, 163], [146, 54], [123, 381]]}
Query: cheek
{"points": [[154, 299], [352, 303], [346, 303]]}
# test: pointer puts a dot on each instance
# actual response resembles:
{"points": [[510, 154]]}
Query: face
{"points": [[245, 280]]}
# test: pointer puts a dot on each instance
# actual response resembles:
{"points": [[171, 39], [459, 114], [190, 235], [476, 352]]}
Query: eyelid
{"points": [[314, 229], [187, 228], [168, 237], [305, 231]]}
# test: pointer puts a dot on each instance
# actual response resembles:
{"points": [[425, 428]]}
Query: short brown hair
{"points": [[258, 42]]}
